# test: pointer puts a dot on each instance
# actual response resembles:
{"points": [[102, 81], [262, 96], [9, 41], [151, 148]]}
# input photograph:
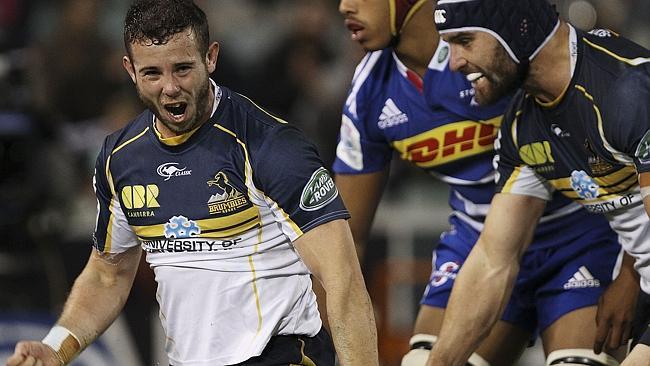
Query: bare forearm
{"points": [[352, 324], [96, 299], [477, 300]]}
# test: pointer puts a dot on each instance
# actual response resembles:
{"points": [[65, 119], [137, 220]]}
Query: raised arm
{"points": [[328, 251], [96, 299], [361, 194], [486, 279]]}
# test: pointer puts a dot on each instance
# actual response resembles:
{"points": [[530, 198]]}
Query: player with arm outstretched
{"points": [[573, 128], [404, 98], [234, 211]]}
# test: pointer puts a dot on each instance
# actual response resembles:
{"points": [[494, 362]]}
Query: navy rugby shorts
{"points": [[296, 350]]}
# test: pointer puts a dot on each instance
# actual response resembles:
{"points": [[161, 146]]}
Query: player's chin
{"points": [[488, 94]]}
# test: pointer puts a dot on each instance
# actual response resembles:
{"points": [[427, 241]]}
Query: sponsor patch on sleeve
{"points": [[643, 149], [319, 191]]}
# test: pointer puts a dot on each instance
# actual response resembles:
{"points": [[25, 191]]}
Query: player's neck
{"points": [[550, 70], [418, 40]]}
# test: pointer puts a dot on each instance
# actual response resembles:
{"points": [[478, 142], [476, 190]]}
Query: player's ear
{"points": [[211, 57], [128, 66]]}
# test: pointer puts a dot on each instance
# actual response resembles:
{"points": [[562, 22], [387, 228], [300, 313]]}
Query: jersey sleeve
{"points": [[112, 231], [361, 148], [513, 175], [627, 112], [291, 174]]}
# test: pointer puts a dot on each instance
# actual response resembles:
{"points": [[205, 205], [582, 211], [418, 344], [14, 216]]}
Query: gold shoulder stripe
{"points": [[130, 141], [109, 176], [263, 110], [630, 61]]}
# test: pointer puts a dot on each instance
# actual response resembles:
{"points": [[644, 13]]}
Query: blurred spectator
{"points": [[298, 79], [72, 65]]}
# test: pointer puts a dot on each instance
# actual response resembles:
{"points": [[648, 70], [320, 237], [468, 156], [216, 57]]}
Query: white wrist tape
{"points": [[65, 344]]}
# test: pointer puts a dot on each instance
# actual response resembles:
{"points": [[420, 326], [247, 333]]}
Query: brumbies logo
{"points": [[228, 198], [319, 191]]}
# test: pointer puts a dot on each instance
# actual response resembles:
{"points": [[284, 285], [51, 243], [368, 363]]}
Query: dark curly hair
{"points": [[157, 21]]}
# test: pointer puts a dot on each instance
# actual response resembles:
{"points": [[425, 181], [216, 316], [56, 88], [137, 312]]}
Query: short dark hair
{"points": [[157, 21]]}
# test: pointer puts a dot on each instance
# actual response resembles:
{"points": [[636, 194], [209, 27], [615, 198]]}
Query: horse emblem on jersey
{"points": [[227, 198], [584, 185]]}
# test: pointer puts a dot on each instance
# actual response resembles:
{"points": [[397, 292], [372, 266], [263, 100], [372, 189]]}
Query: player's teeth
{"points": [[474, 76]]}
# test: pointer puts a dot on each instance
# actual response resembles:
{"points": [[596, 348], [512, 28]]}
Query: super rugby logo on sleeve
{"points": [[643, 150], [319, 191]]}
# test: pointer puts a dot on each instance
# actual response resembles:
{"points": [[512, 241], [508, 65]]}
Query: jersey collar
{"points": [[573, 54]]}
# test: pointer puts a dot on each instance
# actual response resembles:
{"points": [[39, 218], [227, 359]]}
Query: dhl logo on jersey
{"points": [[450, 142]]}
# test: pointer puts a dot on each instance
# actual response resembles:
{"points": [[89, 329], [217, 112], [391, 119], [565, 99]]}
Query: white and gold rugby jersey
{"points": [[589, 144], [216, 211]]}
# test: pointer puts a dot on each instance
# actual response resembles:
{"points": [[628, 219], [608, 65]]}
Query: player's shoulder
{"points": [[608, 49], [134, 129], [370, 75], [628, 94], [248, 122], [633, 84]]}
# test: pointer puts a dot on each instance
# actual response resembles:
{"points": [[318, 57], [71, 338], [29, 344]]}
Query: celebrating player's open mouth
{"points": [[176, 111]]}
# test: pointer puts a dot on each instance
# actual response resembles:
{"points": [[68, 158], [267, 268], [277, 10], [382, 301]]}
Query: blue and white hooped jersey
{"points": [[439, 128], [216, 211]]}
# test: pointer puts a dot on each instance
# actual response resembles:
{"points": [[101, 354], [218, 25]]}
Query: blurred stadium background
{"points": [[63, 89]]}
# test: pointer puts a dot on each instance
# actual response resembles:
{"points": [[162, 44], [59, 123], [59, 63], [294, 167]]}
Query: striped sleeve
{"points": [[112, 231], [513, 175]]}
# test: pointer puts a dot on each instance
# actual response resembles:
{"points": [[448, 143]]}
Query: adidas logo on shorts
{"points": [[582, 279]]}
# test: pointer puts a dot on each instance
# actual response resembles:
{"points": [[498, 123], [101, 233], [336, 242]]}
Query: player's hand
{"points": [[615, 313], [31, 353]]}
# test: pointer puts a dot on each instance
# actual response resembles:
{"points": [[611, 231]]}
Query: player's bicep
{"points": [[328, 252]]}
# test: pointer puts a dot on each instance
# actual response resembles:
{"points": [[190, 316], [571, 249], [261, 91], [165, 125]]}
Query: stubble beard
{"points": [[201, 103], [504, 78]]}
